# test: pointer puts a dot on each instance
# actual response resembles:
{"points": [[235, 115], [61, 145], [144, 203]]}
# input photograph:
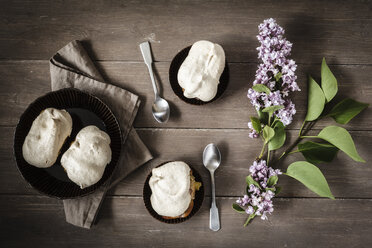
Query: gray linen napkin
{"points": [[72, 67]]}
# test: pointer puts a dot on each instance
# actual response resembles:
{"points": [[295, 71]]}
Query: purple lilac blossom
{"points": [[259, 199], [249, 210], [276, 71], [252, 133]]}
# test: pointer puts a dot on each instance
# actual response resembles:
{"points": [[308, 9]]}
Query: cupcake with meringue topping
{"points": [[199, 75], [171, 193]]}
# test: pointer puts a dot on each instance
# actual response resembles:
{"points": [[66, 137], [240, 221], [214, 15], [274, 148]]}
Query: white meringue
{"points": [[170, 186], [46, 137], [200, 72], [86, 159]]}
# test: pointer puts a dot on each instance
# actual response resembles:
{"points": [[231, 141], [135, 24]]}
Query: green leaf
{"points": [[238, 208], [279, 138], [315, 101], [261, 88], [250, 181], [346, 110], [340, 138], [272, 181], [268, 133], [317, 153], [264, 117], [250, 218], [277, 191], [329, 82], [278, 76], [310, 176], [272, 109], [256, 124], [271, 189]]}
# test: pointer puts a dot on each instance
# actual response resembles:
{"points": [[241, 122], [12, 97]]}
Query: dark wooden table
{"points": [[31, 32]]}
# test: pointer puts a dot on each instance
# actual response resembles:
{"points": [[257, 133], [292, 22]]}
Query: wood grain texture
{"points": [[32, 31], [124, 222], [23, 82], [347, 179], [338, 30]]}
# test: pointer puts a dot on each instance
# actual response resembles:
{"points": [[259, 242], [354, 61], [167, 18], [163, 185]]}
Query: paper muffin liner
{"points": [[198, 201], [85, 109], [177, 89]]}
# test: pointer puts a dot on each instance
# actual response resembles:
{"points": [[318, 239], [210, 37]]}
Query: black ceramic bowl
{"points": [[198, 201], [173, 72], [85, 110]]}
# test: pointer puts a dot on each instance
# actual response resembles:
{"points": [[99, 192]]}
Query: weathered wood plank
{"points": [[22, 82], [124, 222], [346, 178], [339, 30], [32, 31]]}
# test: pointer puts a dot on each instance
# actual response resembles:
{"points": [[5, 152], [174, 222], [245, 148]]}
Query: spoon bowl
{"points": [[160, 110], [211, 157]]}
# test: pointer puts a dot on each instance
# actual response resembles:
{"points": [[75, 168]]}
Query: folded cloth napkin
{"points": [[71, 67]]}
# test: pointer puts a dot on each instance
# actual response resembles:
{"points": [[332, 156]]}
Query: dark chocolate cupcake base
{"points": [[198, 201], [173, 80]]}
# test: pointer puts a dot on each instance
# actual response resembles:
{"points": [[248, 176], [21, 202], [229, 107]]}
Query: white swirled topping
{"points": [[86, 159], [199, 75], [170, 185], [46, 137]]}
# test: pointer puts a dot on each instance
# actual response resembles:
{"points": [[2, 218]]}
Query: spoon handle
{"points": [[146, 54], [214, 219], [153, 80]]}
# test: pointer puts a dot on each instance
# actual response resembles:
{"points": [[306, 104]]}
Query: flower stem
{"points": [[247, 222], [298, 140], [251, 217], [293, 152], [268, 157], [281, 156], [262, 150], [275, 120], [302, 137], [302, 126]]}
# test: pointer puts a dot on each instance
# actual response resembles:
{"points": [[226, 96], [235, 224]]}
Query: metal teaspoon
{"points": [[160, 107], [211, 161]]}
